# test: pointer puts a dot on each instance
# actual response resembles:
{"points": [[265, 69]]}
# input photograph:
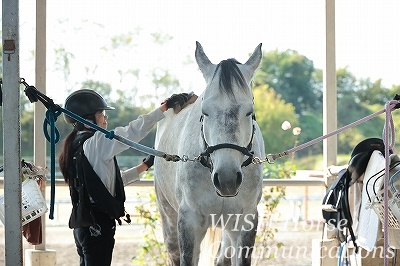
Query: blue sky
{"points": [[366, 36]]}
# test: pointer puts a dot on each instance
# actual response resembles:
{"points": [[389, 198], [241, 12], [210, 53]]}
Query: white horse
{"points": [[221, 187]]}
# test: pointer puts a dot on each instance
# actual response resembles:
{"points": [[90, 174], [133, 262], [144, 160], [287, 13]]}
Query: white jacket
{"points": [[100, 150]]}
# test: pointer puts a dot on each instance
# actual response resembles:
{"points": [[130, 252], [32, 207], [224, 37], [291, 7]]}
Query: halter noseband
{"points": [[205, 155]]}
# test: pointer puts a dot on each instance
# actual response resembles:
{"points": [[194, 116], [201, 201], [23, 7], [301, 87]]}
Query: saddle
{"points": [[336, 208], [335, 204]]}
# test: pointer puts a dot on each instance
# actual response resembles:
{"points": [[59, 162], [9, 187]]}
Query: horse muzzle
{"points": [[227, 187], [226, 179]]}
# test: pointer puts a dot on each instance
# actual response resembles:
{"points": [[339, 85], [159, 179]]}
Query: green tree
{"points": [[164, 82], [373, 92], [346, 82], [290, 75], [288, 87], [311, 128], [123, 99], [350, 111], [26, 120], [356, 99], [271, 111]]}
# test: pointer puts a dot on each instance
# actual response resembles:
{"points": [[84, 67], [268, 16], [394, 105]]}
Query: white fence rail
{"points": [[304, 194]]}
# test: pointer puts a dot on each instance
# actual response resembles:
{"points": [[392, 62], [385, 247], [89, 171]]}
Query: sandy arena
{"points": [[129, 237]]}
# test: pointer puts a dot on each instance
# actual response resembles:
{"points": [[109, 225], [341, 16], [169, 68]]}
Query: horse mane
{"points": [[230, 72]]}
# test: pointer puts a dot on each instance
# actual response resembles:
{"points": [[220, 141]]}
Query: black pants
{"points": [[96, 250]]}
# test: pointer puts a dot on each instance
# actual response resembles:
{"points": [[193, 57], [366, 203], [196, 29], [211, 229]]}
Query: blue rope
{"points": [[54, 137], [53, 112], [111, 135], [108, 134]]}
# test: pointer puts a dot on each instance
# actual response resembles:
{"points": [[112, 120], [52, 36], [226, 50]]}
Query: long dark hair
{"points": [[65, 158]]}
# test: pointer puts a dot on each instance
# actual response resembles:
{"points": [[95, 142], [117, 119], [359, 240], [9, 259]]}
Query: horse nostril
{"points": [[239, 179], [217, 184]]}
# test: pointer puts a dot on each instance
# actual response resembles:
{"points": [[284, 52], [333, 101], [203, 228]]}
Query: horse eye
{"points": [[205, 114], [249, 113]]}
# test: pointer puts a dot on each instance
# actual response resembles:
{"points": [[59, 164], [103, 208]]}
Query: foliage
{"points": [[279, 170], [152, 252], [104, 89], [287, 87], [63, 61], [163, 82], [354, 112], [311, 128], [316, 161], [346, 82], [370, 92], [271, 110], [289, 74], [396, 121], [270, 201]]}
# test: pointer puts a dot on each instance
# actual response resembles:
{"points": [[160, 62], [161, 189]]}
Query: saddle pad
{"points": [[368, 227]]}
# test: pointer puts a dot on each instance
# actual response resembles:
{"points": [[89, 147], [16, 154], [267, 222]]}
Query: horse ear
{"points": [[255, 59], [202, 60]]}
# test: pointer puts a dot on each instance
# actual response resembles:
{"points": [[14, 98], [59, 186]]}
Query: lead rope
{"points": [[53, 111], [270, 158], [388, 136], [51, 117]]}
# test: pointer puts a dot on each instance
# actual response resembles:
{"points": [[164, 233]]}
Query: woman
{"points": [[87, 162]]}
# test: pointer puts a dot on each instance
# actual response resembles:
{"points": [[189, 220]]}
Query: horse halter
{"points": [[204, 157]]}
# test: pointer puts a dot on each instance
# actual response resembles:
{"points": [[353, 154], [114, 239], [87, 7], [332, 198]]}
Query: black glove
{"points": [[149, 161], [175, 99]]}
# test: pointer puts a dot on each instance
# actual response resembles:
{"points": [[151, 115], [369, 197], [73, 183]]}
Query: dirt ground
{"points": [[294, 230], [129, 237]]}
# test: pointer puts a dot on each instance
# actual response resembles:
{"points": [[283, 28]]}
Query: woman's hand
{"points": [[175, 100], [163, 107]]}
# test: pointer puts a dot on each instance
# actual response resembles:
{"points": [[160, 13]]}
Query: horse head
{"points": [[227, 119]]}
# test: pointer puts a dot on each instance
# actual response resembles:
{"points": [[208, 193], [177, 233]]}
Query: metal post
{"points": [[329, 81], [11, 134], [40, 255], [39, 149]]}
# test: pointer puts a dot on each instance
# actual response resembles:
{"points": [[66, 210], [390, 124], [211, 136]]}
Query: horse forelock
{"points": [[229, 73]]}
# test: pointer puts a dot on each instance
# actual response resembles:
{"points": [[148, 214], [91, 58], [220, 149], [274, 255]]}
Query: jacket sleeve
{"points": [[130, 175], [105, 149]]}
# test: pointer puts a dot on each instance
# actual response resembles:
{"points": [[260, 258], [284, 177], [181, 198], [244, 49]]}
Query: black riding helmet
{"points": [[84, 102]]}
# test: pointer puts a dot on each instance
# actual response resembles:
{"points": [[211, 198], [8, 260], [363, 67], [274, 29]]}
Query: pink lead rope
{"points": [[388, 139], [275, 156]]}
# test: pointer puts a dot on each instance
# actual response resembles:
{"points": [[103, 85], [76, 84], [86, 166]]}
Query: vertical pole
{"points": [[40, 255], [11, 134], [39, 149], [329, 83]]}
